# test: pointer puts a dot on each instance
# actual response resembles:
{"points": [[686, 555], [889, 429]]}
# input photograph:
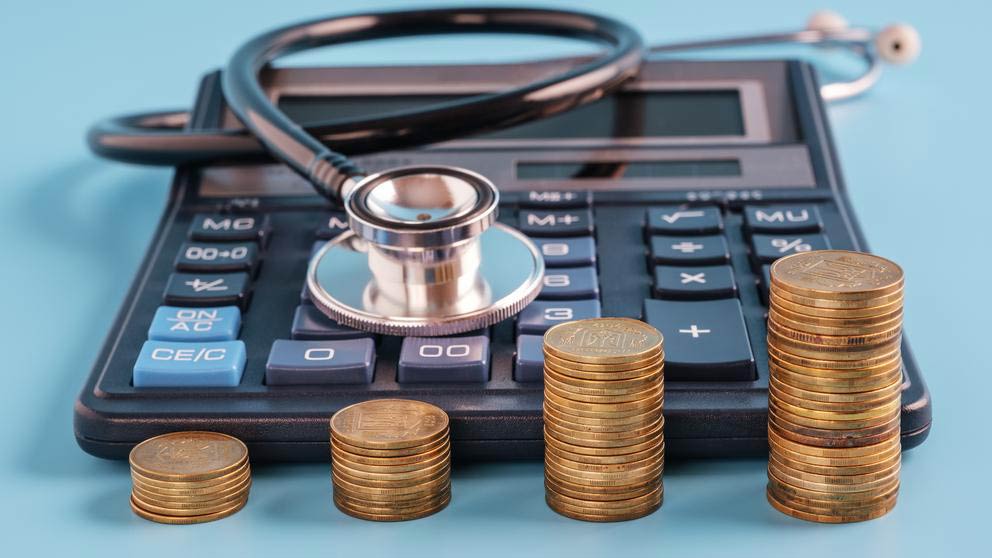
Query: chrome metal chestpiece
{"points": [[424, 256]]}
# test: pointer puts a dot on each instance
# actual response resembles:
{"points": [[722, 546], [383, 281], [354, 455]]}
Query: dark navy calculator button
{"points": [[765, 284], [444, 360], [684, 220], [348, 361], [529, 363], [703, 340], [196, 256], [576, 222], [567, 252], [694, 250], [332, 225], [569, 283], [767, 248], [539, 316], [172, 323], [782, 218], [217, 227], [570, 199], [166, 364], [207, 289], [694, 283], [310, 323]]}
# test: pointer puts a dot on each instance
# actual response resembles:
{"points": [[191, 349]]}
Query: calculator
{"points": [[664, 202]]}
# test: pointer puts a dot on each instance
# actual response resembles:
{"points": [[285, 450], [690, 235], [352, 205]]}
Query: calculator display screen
{"points": [[629, 114]]}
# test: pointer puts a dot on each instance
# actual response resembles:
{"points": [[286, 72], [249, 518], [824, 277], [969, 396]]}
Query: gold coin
{"points": [[854, 483], [846, 373], [880, 322], [167, 496], [202, 487], [564, 423], [374, 516], [186, 520], [587, 514], [865, 417], [834, 385], [599, 411], [832, 518], [800, 464], [177, 511], [835, 304], [608, 440], [635, 371], [837, 478], [443, 447], [607, 459], [410, 452], [610, 387], [844, 511], [562, 391], [650, 442], [830, 429], [858, 406], [389, 424], [652, 459], [603, 340], [837, 313], [390, 470], [390, 480], [158, 505], [779, 317], [188, 456], [837, 462], [627, 504], [604, 479], [821, 352], [830, 498], [415, 492], [832, 364], [600, 494], [394, 505], [863, 439], [647, 404], [869, 451], [843, 341], [837, 274], [892, 390], [577, 420]]}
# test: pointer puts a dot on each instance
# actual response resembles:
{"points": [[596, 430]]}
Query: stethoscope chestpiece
{"points": [[424, 256]]}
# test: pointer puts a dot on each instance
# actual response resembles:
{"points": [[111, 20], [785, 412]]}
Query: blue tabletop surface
{"points": [[73, 229]]}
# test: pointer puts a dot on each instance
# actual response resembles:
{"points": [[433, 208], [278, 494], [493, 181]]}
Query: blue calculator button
{"points": [[529, 365], [539, 316], [310, 323], [173, 323], [570, 283], [567, 252], [444, 360], [169, 364], [349, 361]]}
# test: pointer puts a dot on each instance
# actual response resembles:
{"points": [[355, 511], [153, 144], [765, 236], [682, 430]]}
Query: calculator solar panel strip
{"points": [[666, 202]]}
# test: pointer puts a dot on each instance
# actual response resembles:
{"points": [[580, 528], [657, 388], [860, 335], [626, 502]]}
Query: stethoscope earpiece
{"points": [[898, 43]]}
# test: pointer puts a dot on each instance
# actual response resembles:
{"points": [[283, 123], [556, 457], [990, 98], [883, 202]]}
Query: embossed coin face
{"points": [[188, 456], [837, 274], [389, 423], [603, 340]]}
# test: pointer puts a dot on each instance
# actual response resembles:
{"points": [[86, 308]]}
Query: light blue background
{"points": [[73, 229]]}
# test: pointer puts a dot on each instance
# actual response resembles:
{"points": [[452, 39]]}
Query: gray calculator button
{"points": [[310, 323], [529, 364], [567, 252], [539, 316], [574, 222], [684, 220], [219, 227], [767, 248], [217, 257], [782, 218], [556, 199], [350, 361], [444, 360], [207, 289], [569, 283], [689, 250]]}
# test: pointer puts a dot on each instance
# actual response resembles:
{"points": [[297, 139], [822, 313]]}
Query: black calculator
{"points": [[665, 202]]}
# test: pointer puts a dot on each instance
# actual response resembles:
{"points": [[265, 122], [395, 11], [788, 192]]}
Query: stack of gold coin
{"points": [[189, 477], [391, 460], [603, 423], [834, 330]]}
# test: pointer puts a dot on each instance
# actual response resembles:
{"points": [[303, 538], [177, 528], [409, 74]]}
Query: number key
{"points": [[350, 361], [444, 359], [539, 316]]}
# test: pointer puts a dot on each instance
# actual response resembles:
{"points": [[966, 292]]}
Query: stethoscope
{"points": [[424, 254]]}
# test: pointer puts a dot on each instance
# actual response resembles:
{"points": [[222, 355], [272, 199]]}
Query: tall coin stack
{"points": [[834, 330], [391, 460], [603, 423], [189, 477]]}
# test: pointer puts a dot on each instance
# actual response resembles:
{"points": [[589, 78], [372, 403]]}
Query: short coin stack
{"points": [[391, 460], [834, 329], [603, 423], [189, 477]]}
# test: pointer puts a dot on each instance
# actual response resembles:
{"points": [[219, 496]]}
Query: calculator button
{"points": [[332, 225], [173, 323], [529, 363], [556, 223], [684, 220], [703, 340], [167, 364], [766, 282], [195, 256], [556, 199], [207, 289], [310, 323], [567, 252], [782, 219], [695, 250], [768, 248], [350, 361], [569, 283], [694, 283], [444, 360], [217, 227], [538, 316]]}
